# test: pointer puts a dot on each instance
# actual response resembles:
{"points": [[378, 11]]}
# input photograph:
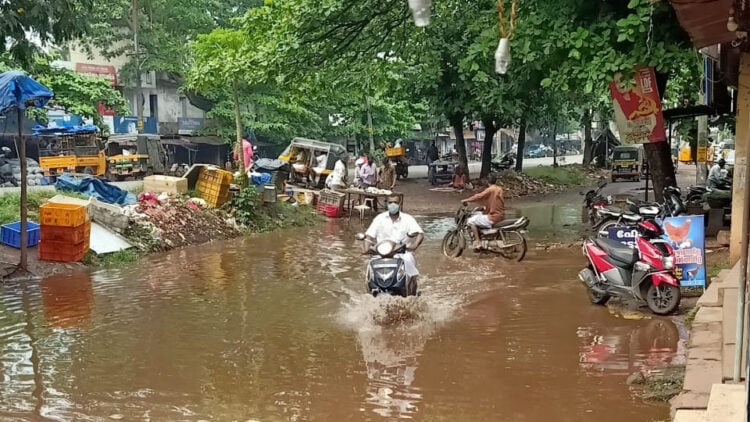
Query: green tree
{"points": [[49, 21], [614, 37]]}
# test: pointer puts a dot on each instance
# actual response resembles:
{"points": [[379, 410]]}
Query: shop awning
{"points": [[705, 20]]}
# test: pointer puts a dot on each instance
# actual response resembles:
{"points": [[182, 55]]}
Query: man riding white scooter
{"points": [[397, 227]]}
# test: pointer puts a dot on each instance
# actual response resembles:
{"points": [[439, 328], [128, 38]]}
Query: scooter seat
{"points": [[618, 251]]}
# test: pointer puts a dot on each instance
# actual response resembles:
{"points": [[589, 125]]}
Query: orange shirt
{"points": [[493, 202]]}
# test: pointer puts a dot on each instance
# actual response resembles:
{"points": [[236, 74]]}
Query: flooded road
{"points": [[277, 328]]}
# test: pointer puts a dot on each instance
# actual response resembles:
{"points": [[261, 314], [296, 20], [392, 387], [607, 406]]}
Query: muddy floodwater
{"points": [[278, 328]]}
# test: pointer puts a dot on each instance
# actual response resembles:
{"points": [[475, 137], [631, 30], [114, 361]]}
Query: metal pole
{"points": [[138, 93], [739, 334], [648, 174]]}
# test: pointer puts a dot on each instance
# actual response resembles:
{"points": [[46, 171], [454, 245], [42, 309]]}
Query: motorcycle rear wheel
{"points": [[518, 251], [453, 244], [605, 226], [663, 300]]}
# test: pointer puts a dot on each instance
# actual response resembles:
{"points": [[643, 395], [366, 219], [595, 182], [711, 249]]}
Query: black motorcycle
{"points": [[638, 211], [386, 271], [593, 201], [506, 238], [506, 162]]}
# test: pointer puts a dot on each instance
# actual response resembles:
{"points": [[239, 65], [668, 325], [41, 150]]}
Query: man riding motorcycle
{"points": [[717, 176], [397, 227], [494, 209]]}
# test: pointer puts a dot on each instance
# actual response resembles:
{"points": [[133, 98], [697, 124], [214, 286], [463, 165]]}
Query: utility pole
{"points": [[138, 93]]}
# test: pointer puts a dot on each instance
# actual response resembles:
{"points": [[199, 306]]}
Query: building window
{"points": [[184, 106], [153, 106]]}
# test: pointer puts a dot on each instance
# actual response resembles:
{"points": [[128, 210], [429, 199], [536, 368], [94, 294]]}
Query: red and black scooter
{"points": [[643, 273]]}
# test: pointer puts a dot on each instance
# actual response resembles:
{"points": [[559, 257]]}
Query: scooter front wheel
{"points": [[664, 299], [454, 244]]}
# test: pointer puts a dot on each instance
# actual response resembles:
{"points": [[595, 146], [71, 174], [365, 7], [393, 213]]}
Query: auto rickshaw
{"points": [[397, 154], [135, 156], [627, 162], [304, 154]]}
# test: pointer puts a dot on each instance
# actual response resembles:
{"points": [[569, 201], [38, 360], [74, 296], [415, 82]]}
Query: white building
{"points": [[163, 105]]}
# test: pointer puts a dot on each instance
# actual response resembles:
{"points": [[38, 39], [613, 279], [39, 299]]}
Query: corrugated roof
{"points": [[705, 20]]}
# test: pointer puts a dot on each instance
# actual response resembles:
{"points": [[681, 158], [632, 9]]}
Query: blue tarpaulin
{"points": [[17, 90], [260, 178], [96, 188], [64, 130]]}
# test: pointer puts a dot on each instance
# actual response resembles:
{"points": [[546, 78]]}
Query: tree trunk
{"points": [[659, 154], [457, 122], [489, 131], [521, 145], [238, 128], [554, 146], [660, 166], [21, 149], [588, 139]]}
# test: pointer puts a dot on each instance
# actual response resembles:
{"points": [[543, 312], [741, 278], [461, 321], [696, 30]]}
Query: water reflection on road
{"points": [[277, 328]]}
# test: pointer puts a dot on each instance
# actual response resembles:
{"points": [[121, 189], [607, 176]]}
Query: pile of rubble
{"points": [[518, 184], [163, 223]]}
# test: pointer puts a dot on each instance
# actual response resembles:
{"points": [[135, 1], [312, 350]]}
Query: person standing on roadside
{"points": [[432, 156]]}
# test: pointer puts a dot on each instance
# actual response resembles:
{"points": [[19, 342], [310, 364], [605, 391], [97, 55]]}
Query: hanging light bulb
{"points": [[421, 10], [732, 25], [502, 56]]}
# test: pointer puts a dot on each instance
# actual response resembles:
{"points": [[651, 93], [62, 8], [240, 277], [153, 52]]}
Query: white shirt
{"points": [[384, 228], [338, 175], [322, 160], [715, 176]]}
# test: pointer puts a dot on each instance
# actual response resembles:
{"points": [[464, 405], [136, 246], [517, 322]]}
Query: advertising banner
{"points": [[638, 108], [686, 234]]}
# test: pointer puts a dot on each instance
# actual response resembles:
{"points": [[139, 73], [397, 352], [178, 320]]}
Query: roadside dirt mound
{"points": [[516, 185], [174, 224]]}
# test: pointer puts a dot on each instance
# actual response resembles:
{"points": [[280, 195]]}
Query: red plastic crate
{"points": [[52, 251], [69, 235], [330, 211]]}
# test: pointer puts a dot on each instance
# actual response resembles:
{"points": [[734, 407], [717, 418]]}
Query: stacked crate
{"points": [[331, 204], [213, 186], [65, 232]]}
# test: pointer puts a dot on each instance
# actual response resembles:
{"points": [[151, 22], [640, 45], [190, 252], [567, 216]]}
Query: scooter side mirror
{"points": [[360, 236]]}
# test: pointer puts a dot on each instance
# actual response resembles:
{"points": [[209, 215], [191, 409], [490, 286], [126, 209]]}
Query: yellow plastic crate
{"points": [[395, 152], [215, 176], [62, 215]]}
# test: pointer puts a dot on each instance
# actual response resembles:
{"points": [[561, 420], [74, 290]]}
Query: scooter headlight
{"points": [[401, 272], [384, 248], [668, 262]]}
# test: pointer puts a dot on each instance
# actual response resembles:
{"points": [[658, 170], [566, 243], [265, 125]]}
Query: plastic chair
{"points": [[367, 205]]}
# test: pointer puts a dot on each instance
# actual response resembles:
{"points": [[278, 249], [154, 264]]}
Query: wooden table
{"points": [[375, 196]]}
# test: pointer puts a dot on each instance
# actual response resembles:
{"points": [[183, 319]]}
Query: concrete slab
{"points": [[688, 400], [713, 353], [711, 297], [684, 415], [701, 374], [707, 315], [727, 403], [708, 335], [727, 362]]}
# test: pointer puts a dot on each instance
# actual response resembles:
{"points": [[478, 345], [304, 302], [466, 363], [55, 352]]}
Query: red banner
{"points": [[638, 108], [99, 71]]}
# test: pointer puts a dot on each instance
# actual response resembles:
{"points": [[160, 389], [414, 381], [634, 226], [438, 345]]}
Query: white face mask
{"points": [[394, 208]]}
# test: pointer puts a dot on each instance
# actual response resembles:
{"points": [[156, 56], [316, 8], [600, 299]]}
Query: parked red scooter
{"points": [[643, 273]]}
